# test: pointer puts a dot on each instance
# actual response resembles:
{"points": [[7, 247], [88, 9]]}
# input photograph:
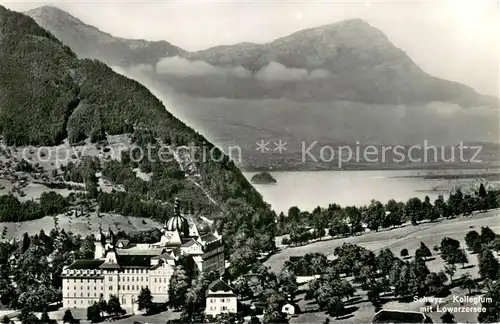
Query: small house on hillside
{"points": [[290, 309], [220, 299]]}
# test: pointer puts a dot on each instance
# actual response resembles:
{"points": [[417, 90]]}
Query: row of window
{"points": [[81, 295], [128, 287], [159, 289], [130, 279], [222, 308], [222, 300], [88, 287], [86, 280]]}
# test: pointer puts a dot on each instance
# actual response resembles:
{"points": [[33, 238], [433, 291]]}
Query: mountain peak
{"points": [[112, 50], [52, 12]]}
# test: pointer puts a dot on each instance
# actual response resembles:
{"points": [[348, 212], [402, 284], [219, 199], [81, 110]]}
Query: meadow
{"points": [[406, 237]]}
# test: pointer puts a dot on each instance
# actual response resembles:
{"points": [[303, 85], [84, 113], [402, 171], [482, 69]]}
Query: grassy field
{"points": [[82, 225], [407, 237]]}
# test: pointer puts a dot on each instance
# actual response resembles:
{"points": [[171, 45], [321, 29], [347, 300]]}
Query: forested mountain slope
{"points": [[49, 95]]}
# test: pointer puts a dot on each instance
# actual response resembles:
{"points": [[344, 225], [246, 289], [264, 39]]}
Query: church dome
{"points": [[177, 222]]}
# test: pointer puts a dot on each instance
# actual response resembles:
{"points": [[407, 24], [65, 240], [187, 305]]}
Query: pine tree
{"points": [[45, 317], [145, 300], [488, 265], [68, 317], [423, 252]]}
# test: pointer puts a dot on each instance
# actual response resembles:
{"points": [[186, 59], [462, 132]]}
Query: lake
{"points": [[308, 190]]}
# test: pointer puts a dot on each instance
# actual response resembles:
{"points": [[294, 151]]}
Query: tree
{"points": [[441, 207], [487, 235], [407, 283], [287, 281], [423, 251], [420, 268], [68, 317], [28, 317], [395, 215], [461, 257], [473, 241], [492, 305], [354, 216], [450, 270], [483, 198], [26, 242], [94, 313], [404, 253], [102, 305], [335, 306], [375, 215], [488, 265], [429, 212], [178, 288], [385, 261], [338, 227], [145, 300], [436, 248], [449, 250], [467, 283], [413, 210], [455, 202], [435, 283], [447, 318], [114, 307], [377, 287], [6, 320], [45, 317], [495, 245], [275, 317]]}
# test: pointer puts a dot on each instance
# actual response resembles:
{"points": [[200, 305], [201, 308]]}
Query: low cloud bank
{"points": [[274, 71]]}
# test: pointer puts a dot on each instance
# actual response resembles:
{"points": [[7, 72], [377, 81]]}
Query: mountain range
{"points": [[349, 60], [336, 84]]}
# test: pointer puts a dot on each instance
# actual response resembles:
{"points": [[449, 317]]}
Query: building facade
{"points": [[220, 299], [123, 269]]}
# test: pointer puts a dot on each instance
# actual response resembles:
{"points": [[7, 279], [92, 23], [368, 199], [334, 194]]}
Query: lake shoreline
{"points": [[310, 189], [320, 168]]}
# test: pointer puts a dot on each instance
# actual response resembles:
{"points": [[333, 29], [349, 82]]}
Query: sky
{"points": [[458, 40]]}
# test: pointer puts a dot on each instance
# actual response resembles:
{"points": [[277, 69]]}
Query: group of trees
{"points": [[13, 210], [30, 271], [303, 226], [186, 293], [96, 311]]}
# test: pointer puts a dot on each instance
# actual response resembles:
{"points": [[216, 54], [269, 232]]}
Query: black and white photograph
{"points": [[249, 161]]}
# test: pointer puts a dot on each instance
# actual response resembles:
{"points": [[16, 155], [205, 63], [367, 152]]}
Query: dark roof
{"points": [[221, 295], [165, 256], [178, 223], [393, 316], [189, 243], [209, 237], [134, 260], [110, 266], [219, 285], [86, 264]]}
